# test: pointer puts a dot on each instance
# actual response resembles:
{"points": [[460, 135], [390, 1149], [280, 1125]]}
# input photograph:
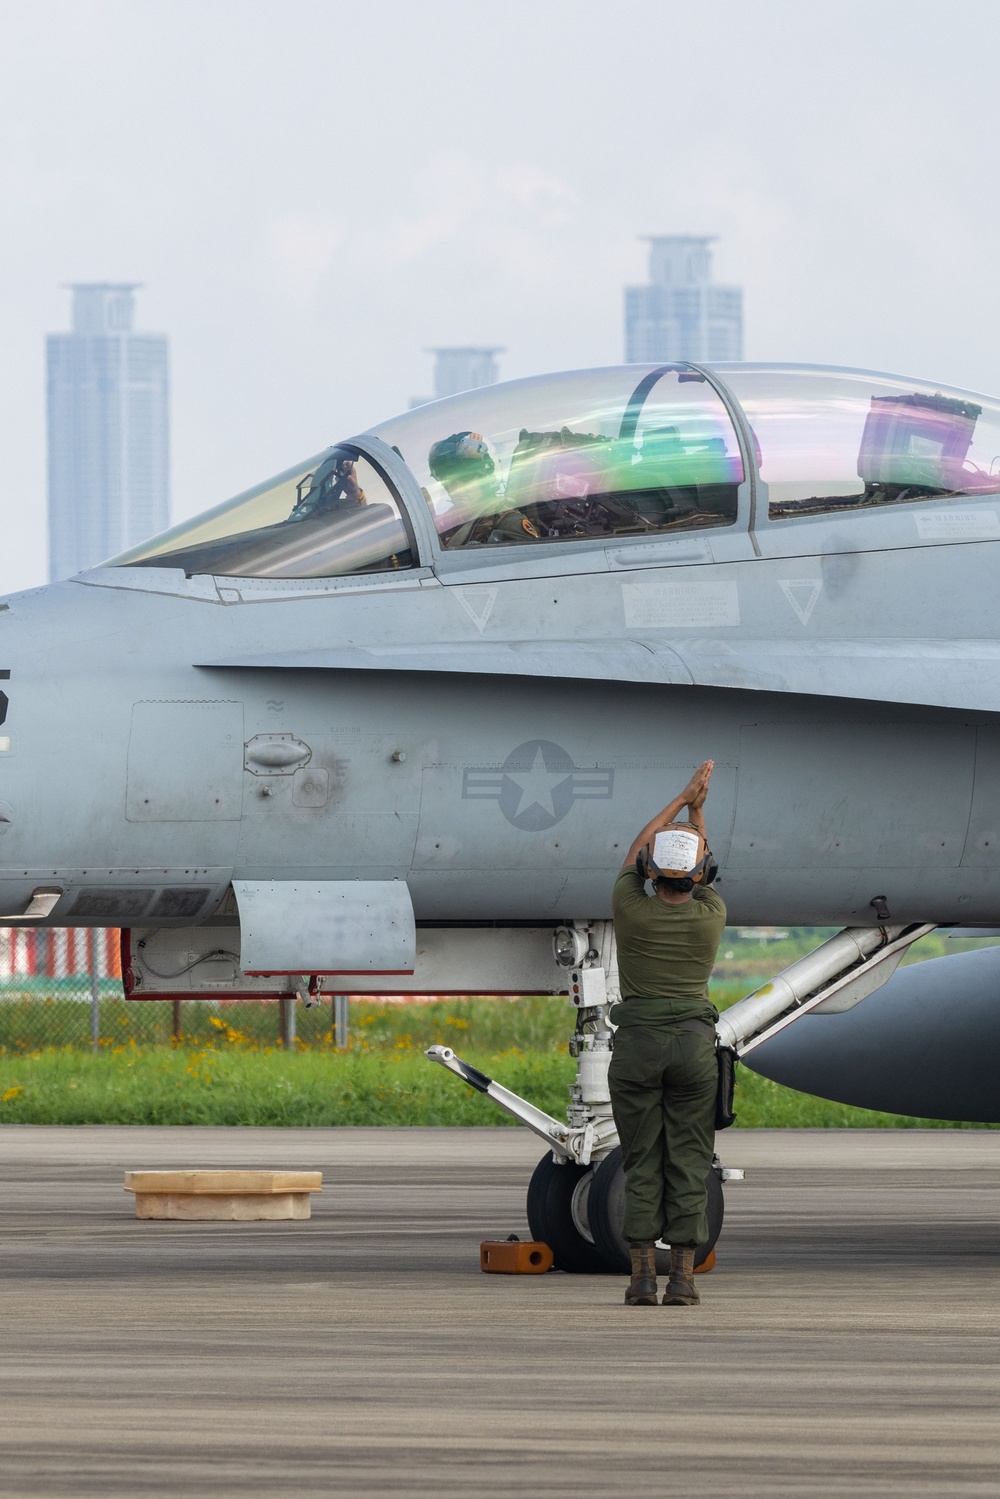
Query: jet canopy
{"points": [[629, 451], [333, 514]]}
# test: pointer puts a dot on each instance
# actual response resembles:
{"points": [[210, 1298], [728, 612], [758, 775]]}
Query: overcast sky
{"points": [[311, 192]]}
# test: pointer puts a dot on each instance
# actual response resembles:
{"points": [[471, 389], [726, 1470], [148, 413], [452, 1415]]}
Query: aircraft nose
{"points": [[15, 890], [38, 749], [6, 810]]}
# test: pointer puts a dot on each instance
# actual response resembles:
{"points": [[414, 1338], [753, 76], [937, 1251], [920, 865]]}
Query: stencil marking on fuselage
{"points": [[478, 604], [655, 605], [802, 594]]}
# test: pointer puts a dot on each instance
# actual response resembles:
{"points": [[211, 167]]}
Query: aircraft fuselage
{"points": [[142, 782]]}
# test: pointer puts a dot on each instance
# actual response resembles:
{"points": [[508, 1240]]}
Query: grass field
{"points": [[236, 1077], [229, 1068]]}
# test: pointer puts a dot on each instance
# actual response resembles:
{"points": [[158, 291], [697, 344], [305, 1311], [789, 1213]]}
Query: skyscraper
{"points": [[682, 314], [108, 430], [460, 369]]}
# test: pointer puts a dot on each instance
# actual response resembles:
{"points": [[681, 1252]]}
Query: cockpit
{"points": [[596, 455]]}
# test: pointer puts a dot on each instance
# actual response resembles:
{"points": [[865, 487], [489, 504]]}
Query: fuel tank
{"points": [[926, 1044]]}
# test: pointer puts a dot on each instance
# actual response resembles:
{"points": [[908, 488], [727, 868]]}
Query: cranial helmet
{"points": [[463, 455], [677, 852]]}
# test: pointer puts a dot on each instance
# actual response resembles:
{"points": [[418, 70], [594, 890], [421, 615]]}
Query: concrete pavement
{"points": [[849, 1341]]}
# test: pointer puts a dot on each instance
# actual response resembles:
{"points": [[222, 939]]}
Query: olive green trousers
{"points": [[663, 1084]]}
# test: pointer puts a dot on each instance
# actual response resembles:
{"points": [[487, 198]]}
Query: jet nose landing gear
{"points": [[606, 1211], [578, 1211], [576, 1197], [558, 1196]]}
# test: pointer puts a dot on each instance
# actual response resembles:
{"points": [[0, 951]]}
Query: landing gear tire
{"points": [[606, 1212], [557, 1215]]}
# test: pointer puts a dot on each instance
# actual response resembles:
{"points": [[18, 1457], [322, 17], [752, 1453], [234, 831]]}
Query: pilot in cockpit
{"points": [[463, 466], [333, 487], [575, 484]]}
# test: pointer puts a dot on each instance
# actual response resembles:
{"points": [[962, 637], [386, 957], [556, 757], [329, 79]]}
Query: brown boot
{"points": [[642, 1287], [681, 1289]]}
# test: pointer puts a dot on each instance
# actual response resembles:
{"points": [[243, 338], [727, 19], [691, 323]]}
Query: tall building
{"points": [[460, 369], [108, 431], [682, 314]]}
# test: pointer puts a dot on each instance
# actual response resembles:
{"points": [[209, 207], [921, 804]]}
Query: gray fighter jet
{"points": [[390, 720]]}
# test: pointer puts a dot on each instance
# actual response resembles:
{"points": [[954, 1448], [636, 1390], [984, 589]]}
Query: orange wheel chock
{"points": [[512, 1257], [708, 1263]]}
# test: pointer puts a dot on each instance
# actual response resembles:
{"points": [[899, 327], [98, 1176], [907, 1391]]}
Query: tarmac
{"points": [[847, 1342]]}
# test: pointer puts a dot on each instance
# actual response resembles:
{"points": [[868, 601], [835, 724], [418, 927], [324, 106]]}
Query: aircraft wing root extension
{"points": [[951, 674]]}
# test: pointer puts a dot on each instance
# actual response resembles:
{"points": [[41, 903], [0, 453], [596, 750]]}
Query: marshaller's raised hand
{"points": [[693, 796], [696, 790]]}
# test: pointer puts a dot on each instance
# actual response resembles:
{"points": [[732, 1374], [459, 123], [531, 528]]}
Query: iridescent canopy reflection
{"points": [[566, 457], [831, 440], [335, 515], [616, 453]]}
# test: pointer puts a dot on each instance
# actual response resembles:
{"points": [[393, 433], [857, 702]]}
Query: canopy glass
{"points": [[830, 440], [628, 451], [597, 453], [334, 514]]}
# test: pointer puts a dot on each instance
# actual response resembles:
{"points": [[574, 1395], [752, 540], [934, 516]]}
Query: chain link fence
{"points": [[62, 988]]}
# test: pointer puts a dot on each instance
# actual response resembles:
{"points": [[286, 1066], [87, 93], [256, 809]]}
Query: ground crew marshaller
{"points": [[664, 1076]]}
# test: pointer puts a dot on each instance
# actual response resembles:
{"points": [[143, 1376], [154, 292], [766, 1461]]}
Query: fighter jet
{"points": [[391, 719]]}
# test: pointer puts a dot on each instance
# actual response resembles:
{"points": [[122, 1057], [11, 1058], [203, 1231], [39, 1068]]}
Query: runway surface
{"points": [[846, 1344]]}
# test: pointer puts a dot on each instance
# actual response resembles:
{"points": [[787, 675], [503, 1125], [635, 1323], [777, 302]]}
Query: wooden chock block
{"points": [[708, 1263], [223, 1196], [512, 1257]]}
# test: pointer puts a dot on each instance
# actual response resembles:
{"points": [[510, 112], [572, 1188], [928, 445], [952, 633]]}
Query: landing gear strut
{"points": [[576, 1198]]}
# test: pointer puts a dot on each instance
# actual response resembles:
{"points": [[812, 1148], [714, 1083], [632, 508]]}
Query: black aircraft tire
{"points": [[606, 1211], [550, 1217]]}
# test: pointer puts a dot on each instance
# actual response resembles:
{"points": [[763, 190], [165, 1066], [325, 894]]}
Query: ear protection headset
{"points": [[685, 855]]}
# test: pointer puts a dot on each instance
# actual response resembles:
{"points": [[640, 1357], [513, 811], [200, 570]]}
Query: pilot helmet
{"points": [[677, 853], [462, 456]]}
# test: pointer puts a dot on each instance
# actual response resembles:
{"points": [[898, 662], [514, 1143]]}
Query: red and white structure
{"points": [[59, 952]]}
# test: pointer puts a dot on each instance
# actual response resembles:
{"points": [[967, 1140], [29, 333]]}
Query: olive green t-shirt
{"points": [[665, 952]]}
